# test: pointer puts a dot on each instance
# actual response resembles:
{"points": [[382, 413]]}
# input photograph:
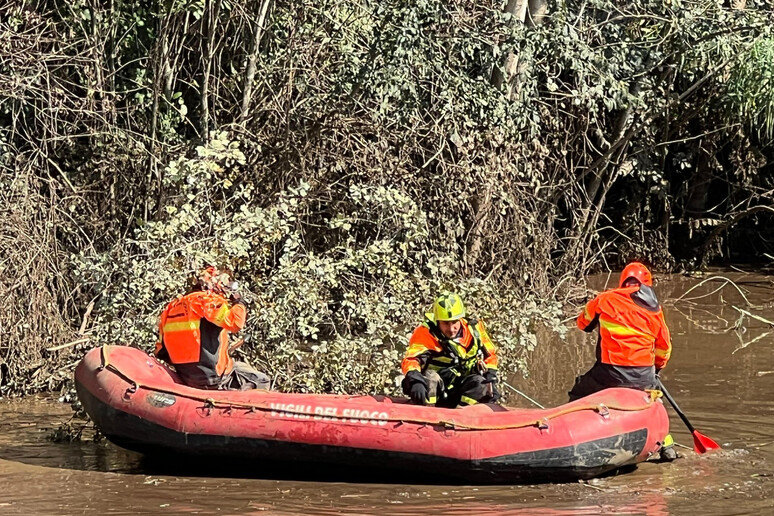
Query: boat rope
{"points": [[211, 403]]}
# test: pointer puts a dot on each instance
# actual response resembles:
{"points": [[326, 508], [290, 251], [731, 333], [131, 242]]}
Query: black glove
{"points": [[236, 298], [419, 394], [490, 377], [415, 386]]}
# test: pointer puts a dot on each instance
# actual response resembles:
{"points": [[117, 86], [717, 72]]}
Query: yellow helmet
{"points": [[448, 307]]}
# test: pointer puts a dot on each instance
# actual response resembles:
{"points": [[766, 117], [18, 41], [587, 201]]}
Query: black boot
{"points": [[668, 454]]}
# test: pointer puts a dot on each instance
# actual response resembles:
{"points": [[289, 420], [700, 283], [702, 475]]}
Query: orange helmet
{"points": [[637, 271]]}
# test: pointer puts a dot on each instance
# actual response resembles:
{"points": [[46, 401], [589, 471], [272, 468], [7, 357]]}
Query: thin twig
{"points": [[756, 339], [753, 316], [73, 343], [711, 279], [89, 308]]}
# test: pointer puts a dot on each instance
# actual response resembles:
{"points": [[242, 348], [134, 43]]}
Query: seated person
{"points": [[194, 332], [450, 359]]}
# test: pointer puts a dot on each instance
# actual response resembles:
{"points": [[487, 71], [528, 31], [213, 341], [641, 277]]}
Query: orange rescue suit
{"points": [[630, 334], [194, 336]]}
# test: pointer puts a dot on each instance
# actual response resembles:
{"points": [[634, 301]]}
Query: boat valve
{"points": [[603, 411], [543, 424]]}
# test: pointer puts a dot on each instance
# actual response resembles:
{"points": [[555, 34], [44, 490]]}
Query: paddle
{"points": [[701, 443]]}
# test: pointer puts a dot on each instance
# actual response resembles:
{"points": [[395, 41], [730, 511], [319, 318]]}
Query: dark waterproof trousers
{"points": [[243, 377], [470, 390], [603, 376]]}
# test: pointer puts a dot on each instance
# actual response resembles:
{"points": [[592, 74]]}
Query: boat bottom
{"points": [[581, 461]]}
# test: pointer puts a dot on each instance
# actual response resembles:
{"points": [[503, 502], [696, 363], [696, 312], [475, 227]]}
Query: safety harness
{"points": [[455, 362]]}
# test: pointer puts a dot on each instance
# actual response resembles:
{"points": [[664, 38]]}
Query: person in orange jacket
{"points": [[450, 359], [193, 335], [634, 342]]}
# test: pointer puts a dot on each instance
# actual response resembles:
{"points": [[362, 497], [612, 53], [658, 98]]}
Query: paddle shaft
{"points": [[674, 406]]}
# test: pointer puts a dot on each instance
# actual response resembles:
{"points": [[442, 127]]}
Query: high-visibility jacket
{"points": [[193, 336], [632, 330], [452, 358]]}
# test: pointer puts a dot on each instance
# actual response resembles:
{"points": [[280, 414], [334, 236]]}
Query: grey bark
{"points": [[530, 13], [252, 58], [209, 24]]}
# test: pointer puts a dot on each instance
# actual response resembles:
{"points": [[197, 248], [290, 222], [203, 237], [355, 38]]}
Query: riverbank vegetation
{"points": [[348, 159]]}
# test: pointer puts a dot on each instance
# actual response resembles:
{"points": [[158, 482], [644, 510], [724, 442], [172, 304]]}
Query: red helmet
{"points": [[637, 271], [216, 280]]}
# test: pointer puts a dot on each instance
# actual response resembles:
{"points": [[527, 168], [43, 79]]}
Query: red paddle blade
{"points": [[702, 443]]}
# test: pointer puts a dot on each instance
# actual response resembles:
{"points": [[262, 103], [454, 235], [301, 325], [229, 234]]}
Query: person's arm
{"points": [[160, 351], [421, 344], [216, 309], [663, 344], [489, 362], [489, 349], [588, 319]]}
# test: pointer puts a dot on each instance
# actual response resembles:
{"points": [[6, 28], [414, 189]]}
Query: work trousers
{"points": [[469, 390]]}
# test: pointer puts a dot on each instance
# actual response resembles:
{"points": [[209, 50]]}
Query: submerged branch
{"points": [[713, 278]]}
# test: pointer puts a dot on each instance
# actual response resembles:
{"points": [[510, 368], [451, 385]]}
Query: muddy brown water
{"points": [[722, 377]]}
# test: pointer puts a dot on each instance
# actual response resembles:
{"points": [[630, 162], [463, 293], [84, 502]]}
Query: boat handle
{"points": [[129, 391]]}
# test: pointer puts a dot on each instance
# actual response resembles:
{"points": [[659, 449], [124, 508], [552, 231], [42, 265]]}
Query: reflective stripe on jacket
{"points": [[630, 333], [194, 336], [456, 356]]}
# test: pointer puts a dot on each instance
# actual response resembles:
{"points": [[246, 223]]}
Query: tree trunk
{"points": [[531, 13], [517, 9], [252, 58], [209, 24], [701, 179], [481, 203]]}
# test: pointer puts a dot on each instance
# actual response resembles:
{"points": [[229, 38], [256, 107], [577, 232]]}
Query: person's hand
{"points": [[495, 393], [236, 298], [415, 386], [419, 393], [490, 377]]}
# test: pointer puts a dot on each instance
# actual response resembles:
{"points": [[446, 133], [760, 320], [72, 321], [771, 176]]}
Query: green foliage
{"points": [[336, 321], [371, 161], [751, 88]]}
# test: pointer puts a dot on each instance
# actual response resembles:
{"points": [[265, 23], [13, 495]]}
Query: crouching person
{"points": [[194, 333], [450, 360], [634, 343]]}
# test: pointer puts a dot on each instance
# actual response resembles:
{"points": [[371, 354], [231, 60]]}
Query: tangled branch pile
{"points": [[350, 158]]}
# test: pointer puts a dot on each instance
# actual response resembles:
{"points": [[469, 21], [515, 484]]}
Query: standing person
{"points": [[450, 359], [193, 335], [634, 342]]}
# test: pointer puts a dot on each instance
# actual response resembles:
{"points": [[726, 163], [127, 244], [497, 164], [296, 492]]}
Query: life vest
{"points": [[194, 334], [451, 358]]}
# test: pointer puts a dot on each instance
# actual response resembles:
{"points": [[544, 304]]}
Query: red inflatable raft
{"points": [[139, 404]]}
